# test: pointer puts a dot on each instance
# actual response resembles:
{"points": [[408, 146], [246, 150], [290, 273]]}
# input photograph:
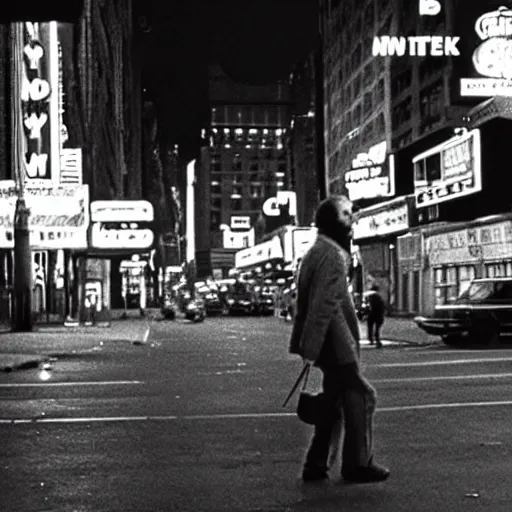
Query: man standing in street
{"points": [[326, 334], [375, 318]]}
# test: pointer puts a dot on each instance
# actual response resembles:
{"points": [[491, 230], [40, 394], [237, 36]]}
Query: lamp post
{"points": [[22, 298]]}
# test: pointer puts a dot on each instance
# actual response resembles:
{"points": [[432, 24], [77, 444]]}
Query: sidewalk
{"points": [[403, 329], [22, 350]]}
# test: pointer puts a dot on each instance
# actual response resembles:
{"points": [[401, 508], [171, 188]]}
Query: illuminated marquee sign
{"points": [[394, 218], [240, 222], [449, 170], [372, 174], [492, 58], [260, 253], [121, 224], [272, 206], [432, 45], [34, 94], [59, 216]]}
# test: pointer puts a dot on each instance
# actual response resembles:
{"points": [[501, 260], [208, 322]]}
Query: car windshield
{"points": [[477, 291]]}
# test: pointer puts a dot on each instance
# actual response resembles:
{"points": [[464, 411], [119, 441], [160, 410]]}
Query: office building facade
{"points": [[245, 164]]}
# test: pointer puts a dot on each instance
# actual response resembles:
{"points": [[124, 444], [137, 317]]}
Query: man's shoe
{"points": [[366, 474], [314, 475]]}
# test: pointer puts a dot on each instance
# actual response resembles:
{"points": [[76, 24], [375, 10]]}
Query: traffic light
{"points": [[41, 10]]}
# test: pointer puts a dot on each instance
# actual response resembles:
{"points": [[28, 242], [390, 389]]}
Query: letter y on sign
{"points": [[429, 7]]}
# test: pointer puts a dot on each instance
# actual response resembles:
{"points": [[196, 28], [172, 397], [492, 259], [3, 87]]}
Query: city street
{"points": [[191, 419]]}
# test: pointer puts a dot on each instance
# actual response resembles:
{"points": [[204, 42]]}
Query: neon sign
{"points": [[492, 58]]}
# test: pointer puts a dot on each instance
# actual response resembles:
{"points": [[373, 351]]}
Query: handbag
{"points": [[311, 408]]}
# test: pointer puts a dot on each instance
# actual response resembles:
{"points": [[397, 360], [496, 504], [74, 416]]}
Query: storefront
{"points": [[375, 233], [58, 221], [455, 254], [119, 260], [409, 285]]}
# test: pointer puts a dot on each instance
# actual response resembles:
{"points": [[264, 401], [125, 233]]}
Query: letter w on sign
{"points": [[36, 166]]}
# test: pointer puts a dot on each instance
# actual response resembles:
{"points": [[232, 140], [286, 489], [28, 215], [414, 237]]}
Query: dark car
{"points": [[213, 303], [265, 303], [240, 299], [195, 310], [480, 314], [169, 308]]}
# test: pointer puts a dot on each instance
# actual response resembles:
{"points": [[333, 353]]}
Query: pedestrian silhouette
{"points": [[375, 318]]}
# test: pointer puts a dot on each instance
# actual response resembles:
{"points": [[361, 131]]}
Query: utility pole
{"points": [[22, 299]]}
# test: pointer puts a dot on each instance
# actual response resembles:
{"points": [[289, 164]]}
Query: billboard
{"points": [[59, 216], [484, 68], [121, 224], [35, 101], [448, 171], [372, 174]]}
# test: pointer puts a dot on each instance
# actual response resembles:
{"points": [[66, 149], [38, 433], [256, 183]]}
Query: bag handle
{"points": [[304, 374]]}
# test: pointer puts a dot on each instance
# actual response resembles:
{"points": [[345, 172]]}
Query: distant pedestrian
{"points": [[326, 334], [375, 317]]}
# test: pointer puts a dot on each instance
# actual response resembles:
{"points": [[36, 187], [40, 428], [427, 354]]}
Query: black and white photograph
{"points": [[255, 256]]}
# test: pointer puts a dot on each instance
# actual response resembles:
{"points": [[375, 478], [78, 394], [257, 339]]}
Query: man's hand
{"points": [[308, 362]]}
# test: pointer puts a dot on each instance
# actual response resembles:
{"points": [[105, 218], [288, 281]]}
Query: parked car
{"points": [[240, 299], [480, 314], [195, 310], [169, 308], [265, 302], [213, 304]]}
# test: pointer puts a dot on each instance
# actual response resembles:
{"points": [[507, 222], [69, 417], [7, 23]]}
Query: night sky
{"points": [[255, 42]]}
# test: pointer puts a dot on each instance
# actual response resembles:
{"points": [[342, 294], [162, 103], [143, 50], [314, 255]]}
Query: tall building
{"points": [[245, 164], [418, 142], [302, 140], [74, 114], [356, 87]]}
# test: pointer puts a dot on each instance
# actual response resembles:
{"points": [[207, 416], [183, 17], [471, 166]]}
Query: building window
{"points": [[237, 162], [401, 113], [215, 188], [466, 274], [255, 203], [431, 102], [236, 203], [214, 221], [237, 190], [379, 92], [380, 124], [215, 166], [368, 75], [400, 83], [356, 115], [445, 285], [216, 203], [367, 135], [367, 105], [256, 190], [358, 84]]}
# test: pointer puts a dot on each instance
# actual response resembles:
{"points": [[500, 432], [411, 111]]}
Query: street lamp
{"points": [[22, 297]]}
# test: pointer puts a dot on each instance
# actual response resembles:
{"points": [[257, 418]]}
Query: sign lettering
{"points": [[429, 7], [492, 58], [34, 93]]}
